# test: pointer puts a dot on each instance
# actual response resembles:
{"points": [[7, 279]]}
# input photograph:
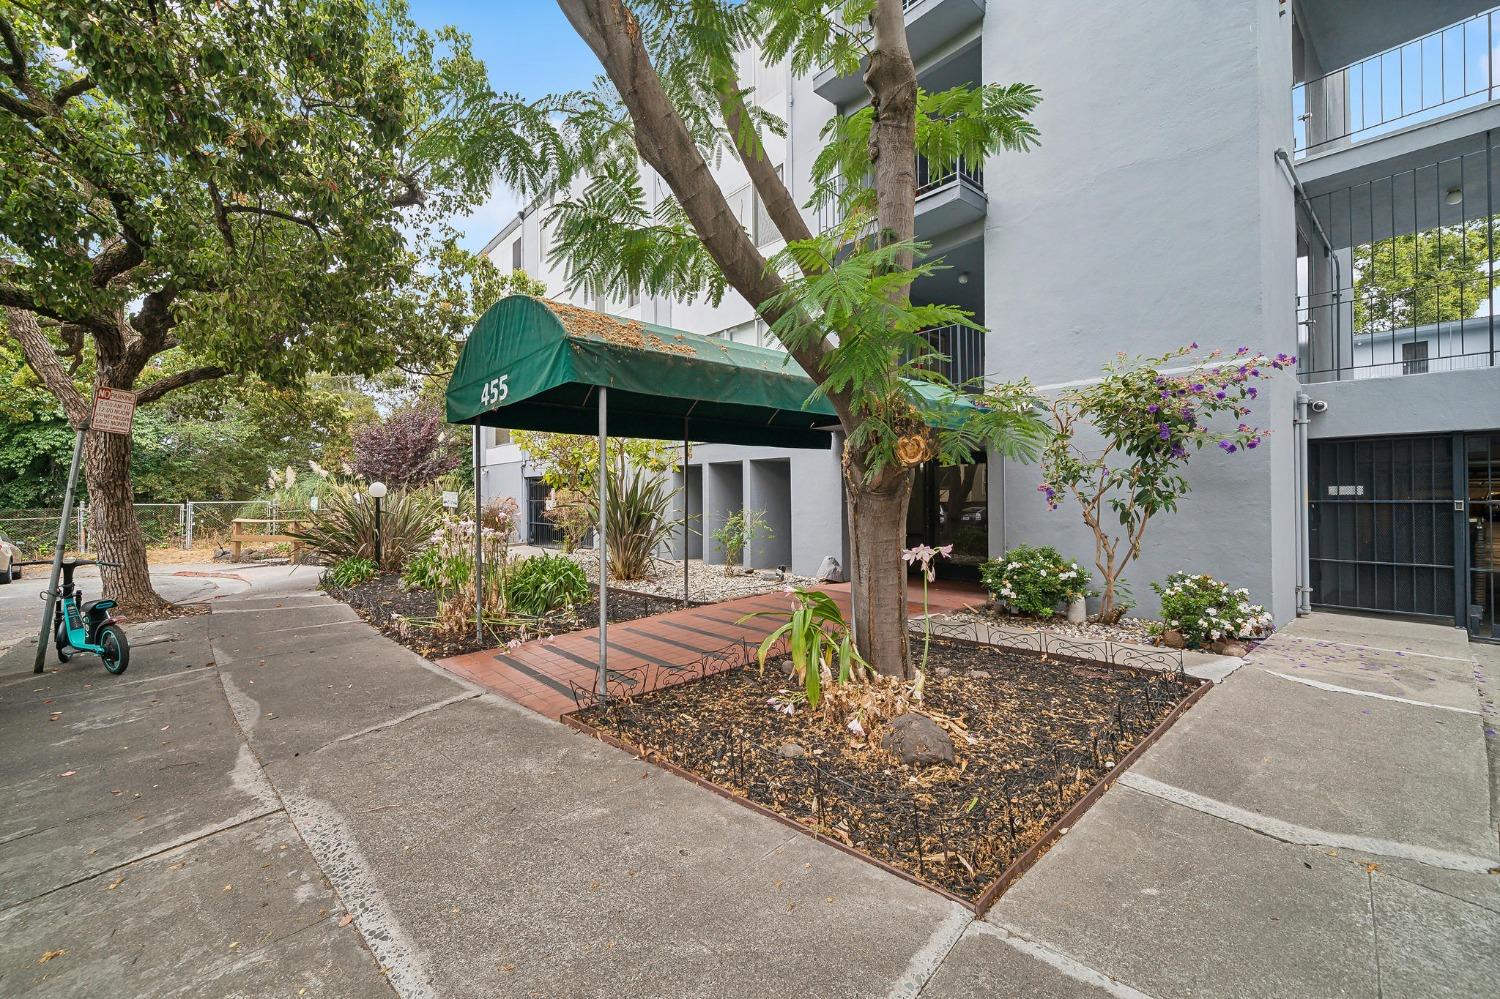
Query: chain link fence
{"points": [[196, 524]]}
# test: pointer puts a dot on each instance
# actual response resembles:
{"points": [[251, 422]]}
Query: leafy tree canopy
{"points": [[1438, 275]]}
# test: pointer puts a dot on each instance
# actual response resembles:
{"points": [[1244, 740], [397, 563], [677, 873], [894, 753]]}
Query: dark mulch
{"points": [[1044, 730], [406, 616]]}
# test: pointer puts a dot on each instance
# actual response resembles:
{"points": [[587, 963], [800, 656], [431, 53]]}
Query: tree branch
{"points": [[69, 91], [42, 358], [413, 195], [272, 213], [770, 185], [664, 142], [17, 69], [162, 386], [220, 218]]}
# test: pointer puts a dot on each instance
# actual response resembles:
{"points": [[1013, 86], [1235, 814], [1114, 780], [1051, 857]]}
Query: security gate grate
{"points": [[1484, 534], [539, 529], [1381, 521]]}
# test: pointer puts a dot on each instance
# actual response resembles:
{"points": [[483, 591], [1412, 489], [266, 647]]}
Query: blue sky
{"points": [[529, 48]]}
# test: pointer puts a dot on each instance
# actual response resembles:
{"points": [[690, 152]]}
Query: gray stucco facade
{"points": [[1161, 208]]}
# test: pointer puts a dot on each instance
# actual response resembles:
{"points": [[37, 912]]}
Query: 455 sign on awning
{"points": [[494, 391]]}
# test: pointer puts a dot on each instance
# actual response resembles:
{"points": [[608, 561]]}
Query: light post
{"points": [[377, 490]]}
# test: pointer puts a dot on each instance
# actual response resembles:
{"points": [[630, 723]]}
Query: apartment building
{"points": [[1316, 178]]}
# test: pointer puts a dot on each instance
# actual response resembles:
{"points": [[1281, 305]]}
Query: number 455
{"points": [[495, 390]]}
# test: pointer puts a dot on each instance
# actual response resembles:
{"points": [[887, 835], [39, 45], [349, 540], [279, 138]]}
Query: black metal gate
{"points": [[1482, 452], [1383, 523], [539, 529]]}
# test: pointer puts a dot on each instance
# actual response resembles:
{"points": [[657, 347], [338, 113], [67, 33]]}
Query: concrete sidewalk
{"points": [[305, 805]]}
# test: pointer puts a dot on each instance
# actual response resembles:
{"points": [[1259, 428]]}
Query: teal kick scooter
{"points": [[87, 627]]}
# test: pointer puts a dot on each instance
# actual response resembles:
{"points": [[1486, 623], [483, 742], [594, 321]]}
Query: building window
{"points": [[1414, 358], [765, 231], [496, 436], [516, 259]]}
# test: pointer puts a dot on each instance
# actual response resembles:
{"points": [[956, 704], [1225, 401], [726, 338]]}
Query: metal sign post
{"points": [[478, 537], [603, 533], [113, 412], [50, 594]]}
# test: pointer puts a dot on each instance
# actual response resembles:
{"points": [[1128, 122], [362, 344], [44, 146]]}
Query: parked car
{"points": [[10, 556]]}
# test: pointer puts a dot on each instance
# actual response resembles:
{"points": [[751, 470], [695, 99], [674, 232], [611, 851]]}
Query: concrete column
{"points": [[768, 489]]}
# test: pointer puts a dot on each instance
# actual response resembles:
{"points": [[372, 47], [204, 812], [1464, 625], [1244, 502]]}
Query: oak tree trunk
{"points": [[877, 574], [116, 534]]}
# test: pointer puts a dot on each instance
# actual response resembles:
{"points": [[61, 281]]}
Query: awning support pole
{"points": [[685, 495], [478, 536], [603, 544]]}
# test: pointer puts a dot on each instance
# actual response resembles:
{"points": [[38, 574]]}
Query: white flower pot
{"points": [[1078, 610]]}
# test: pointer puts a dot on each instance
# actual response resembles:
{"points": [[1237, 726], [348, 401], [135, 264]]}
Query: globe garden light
{"points": [[377, 490]]}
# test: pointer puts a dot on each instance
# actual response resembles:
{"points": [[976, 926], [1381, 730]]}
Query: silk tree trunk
{"points": [[877, 508], [877, 573]]}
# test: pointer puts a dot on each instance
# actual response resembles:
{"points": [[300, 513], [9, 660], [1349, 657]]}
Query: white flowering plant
{"points": [[1033, 580], [1205, 610]]}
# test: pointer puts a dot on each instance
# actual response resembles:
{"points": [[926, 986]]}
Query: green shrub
{"points": [[423, 570], [638, 517], [1205, 610], [345, 527], [544, 583], [739, 531], [1034, 579], [352, 571]]}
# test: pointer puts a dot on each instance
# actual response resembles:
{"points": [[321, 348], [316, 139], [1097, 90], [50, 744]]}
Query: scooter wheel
{"points": [[116, 654], [64, 650]]}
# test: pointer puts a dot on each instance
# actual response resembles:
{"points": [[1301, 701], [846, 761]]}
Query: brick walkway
{"points": [[540, 674]]}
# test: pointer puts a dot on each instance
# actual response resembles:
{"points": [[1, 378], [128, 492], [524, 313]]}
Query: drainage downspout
{"points": [[1301, 420], [1300, 424], [1338, 280]]}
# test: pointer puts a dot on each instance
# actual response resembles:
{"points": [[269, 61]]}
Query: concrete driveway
{"points": [[275, 800], [21, 605]]}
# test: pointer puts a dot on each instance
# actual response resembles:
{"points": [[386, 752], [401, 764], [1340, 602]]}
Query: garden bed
{"points": [[1044, 735], [405, 615]]}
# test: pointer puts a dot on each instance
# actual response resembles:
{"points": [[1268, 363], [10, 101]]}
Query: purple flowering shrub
{"points": [[1152, 415]]}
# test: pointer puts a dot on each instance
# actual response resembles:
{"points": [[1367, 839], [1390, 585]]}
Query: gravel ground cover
{"points": [[1131, 630], [706, 583]]}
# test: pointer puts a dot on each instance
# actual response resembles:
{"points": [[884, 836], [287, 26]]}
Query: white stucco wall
{"points": [[1153, 214]]}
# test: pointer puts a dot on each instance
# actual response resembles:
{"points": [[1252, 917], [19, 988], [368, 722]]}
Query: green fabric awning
{"points": [[535, 365]]}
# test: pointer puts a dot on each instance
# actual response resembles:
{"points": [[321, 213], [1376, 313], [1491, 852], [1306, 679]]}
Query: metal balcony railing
{"points": [[1351, 335], [964, 349], [931, 179], [928, 181], [1446, 71]]}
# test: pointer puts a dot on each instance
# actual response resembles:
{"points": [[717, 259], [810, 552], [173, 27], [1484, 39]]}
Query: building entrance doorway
{"points": [[1408, 525], [950, 505], [540, 530]]}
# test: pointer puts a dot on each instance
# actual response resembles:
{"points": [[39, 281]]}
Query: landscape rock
{"points": [[980, 674], [917, 740], [829, 571], [1173, 639], [1228, 647], [790, 751], [786, 667]]}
